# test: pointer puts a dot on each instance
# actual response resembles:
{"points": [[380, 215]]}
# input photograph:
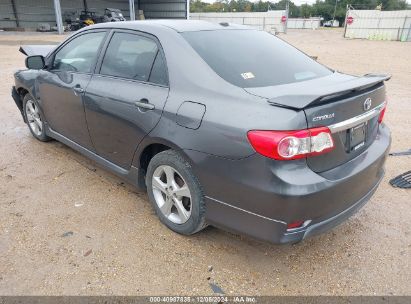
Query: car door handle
{"points": [[78, 89], [144, 104]]}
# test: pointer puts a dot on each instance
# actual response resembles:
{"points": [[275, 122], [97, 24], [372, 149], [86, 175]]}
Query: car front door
{"points": [[62, 85], [125, 100]]}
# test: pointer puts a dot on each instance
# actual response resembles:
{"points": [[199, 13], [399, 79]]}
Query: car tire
{"points": [[34, 118], [161, 167]]}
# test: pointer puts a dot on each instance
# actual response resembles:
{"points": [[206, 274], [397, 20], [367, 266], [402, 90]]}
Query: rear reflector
{"points": [[295, 225], [288, 145], [382, 113]]}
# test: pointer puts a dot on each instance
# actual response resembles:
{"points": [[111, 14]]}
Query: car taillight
{"points": [[288, 145], [382, 113]]}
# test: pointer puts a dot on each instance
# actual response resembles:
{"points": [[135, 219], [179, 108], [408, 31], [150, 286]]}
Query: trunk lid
{"points": [[348, 105]]}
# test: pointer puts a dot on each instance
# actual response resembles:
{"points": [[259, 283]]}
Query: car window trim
{"points": [[99, 63], [51, 57], [131, 80]]}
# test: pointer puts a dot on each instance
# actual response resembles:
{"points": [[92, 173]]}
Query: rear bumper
{"points": [[257, 196], [271, 230], [331, 222]]}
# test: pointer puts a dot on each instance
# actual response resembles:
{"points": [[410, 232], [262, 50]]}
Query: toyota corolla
{"points": [[224, 125]]}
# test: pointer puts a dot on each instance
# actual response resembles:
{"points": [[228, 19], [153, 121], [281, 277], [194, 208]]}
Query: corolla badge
{"points": [[323, 117], [367, 104]]}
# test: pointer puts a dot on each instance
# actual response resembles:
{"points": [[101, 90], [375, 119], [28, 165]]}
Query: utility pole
{"points": [[345, 20], [85, 5], [287, 9], [16, 16], [188, 10], [132, 10], [59, 21], [335, 10]]}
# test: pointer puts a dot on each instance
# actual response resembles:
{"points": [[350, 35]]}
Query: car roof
{"points": [[177, 25]]}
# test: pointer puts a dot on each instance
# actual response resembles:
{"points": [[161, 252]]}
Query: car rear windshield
{"points": [[251, 58]]}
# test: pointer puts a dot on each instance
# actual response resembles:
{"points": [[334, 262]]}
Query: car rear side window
{"points": [[80, 54], [251, 58], [158, 72], [129, 56]]}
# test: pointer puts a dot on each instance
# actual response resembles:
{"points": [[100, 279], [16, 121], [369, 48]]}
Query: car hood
{"points": [[30, 50], [299, 95]]}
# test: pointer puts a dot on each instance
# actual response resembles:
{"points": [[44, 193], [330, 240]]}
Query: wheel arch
{"points": [[18, 98], [22, 92], [150, 147]]}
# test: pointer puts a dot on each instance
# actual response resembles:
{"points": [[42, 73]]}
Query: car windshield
{"points": [[251, 58]]}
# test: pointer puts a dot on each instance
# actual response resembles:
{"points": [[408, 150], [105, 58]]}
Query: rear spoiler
{"points": [[319, 94], [30, 50]]}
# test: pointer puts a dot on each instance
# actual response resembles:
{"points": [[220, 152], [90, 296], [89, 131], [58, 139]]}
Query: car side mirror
{"points": [[35, 62]]}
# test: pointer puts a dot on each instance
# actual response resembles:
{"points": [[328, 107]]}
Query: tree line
{"points": [[321, 8]]}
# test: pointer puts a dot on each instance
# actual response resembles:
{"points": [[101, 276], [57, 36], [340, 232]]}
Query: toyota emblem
{"points": [[367, 104]]}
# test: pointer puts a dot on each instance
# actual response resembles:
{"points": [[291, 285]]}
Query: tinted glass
{"points": [[79, 54], [158, 72], [249, 58], [129, 56]]}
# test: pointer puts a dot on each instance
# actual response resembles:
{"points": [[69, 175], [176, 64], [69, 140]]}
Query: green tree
{"points": [[197, 6], [391, 5], [260, 6], [306, 10]]}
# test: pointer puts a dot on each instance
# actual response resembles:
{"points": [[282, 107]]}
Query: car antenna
{"points": [[224, 23]]}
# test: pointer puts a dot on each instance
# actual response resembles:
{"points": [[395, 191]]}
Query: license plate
{"points": [[357, 136]]}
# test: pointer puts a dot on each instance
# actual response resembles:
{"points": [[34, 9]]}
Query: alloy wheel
{"points": [[171, 194], [33, 117]]}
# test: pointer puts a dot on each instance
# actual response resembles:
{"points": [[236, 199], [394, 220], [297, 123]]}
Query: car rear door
{"points": [[62, 85], [125, 99]]}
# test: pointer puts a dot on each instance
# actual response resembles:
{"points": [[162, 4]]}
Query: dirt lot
{"points": [[68, 227]]}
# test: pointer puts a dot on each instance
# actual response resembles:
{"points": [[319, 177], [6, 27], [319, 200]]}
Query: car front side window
{"points": [[79, 54]]}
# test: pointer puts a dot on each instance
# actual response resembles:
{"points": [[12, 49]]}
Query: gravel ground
{"points": [[67, 227]]}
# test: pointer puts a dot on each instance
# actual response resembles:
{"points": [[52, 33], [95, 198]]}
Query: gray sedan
{"points": [[223, 124]]}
